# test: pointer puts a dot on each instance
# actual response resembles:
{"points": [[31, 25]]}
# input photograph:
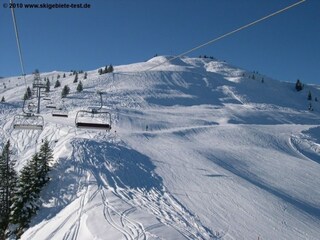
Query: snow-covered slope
{"points": [[225, 156]]}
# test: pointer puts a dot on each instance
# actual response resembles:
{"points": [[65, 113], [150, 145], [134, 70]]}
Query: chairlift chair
{"points": [[60, 112], [51, 105], [28, 120], [94, 118]]}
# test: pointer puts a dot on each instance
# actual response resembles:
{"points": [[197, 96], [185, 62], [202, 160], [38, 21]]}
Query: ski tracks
{"points": [[119, 220], [121, 204], [130, 229], [73, 232], [170, 212]]}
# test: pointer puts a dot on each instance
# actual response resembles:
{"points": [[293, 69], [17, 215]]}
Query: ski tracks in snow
{"points": [[130, 229], [119, 220], [100, 165], [118, 185], [170, 212]]}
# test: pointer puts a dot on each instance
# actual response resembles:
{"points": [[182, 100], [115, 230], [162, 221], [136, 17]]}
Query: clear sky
{"points": [[285, 47]]}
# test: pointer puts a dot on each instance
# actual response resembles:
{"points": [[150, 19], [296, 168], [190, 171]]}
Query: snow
{"points": [[225, 156]]}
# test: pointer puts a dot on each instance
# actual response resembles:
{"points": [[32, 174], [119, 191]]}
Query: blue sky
{"points": [[285, 47]]}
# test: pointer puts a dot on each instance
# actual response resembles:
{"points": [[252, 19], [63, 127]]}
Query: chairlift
{"points": [[51, 105], [28, 120], [60, 111], [94, 118]]}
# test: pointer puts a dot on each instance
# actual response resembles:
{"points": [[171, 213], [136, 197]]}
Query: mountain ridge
{"points": [[197, 150]]}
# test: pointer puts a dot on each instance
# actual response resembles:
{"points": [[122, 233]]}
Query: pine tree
{"points": [[26, 201], [79, 87], [64, 75], [100, 71], [105, 69], [75, 78], [3, 99], [47, 85], [65, 91], [25, 96], [57, 84], [33, 178], [309, 96], [8, 181], [58, 76], [298, 85], [85, 75], [110, 68], [45, 156], [28, 94]]}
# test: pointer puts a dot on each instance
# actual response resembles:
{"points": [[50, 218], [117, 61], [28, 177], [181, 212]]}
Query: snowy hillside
{"points": [[198, 150]]}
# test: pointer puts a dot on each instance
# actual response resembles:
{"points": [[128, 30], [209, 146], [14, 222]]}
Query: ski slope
{"points": [[225, 156]]}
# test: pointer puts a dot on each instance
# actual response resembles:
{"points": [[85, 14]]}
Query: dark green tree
{"points": [[26, 200], [79, 87], [3, 99], [46, 157], [299, 85], [85, 75], [100, 71], [8, 182], [25, 96], [75, 78], [110, 68], [309, 96], [64, 75], [57, 84], [33, 177], [47, 85], [28, 94], [105, 69], [65, 91]]}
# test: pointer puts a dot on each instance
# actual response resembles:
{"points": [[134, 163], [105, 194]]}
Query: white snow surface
{"points": [[225, 156]]}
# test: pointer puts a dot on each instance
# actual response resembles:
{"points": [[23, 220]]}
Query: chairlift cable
{"points": [[18, 42], [227, 34]]}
